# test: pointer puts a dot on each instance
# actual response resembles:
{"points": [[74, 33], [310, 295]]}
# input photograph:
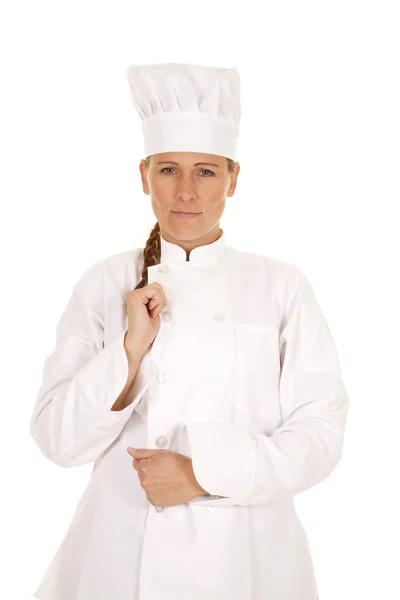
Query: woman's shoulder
{"points": [[260, 263], [121, 258], [123, 268], [115, 272]]}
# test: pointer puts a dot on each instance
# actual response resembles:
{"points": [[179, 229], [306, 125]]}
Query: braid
{"points": [[151, 254]]}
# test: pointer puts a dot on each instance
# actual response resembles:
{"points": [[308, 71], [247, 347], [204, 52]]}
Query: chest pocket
{"points": [[256, 373]]}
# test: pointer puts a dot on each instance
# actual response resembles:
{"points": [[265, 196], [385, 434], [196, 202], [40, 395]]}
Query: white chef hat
{"points": [[186, 107]]}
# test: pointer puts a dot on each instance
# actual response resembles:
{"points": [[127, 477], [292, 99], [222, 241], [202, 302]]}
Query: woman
{"points": [[202, 381]]}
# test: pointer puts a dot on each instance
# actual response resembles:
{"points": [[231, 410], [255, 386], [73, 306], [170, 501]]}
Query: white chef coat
{"points": [[243, 378]]}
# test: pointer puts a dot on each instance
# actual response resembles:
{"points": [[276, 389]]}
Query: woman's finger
{"points": [[153, 303]]}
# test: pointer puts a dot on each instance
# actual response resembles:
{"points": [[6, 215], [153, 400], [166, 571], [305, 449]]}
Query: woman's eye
{"points": [[202, 171]]}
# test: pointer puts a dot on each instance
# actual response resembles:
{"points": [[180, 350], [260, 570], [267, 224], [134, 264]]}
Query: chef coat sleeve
{"points": [[252, 468], [72, 421]]}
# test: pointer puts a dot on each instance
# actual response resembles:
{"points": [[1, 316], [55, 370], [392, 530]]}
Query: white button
{"points": [[159, 508], [163, 268], [161, 441], [215, 375], [166, 315], [212, 508], [219, 316], [213, 270], [162, 377]]}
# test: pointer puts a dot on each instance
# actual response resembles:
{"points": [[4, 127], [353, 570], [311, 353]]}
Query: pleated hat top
{"points": [[187, 108]]}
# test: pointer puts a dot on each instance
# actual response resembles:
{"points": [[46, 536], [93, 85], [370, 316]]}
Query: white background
{"points": [[319, 187]]}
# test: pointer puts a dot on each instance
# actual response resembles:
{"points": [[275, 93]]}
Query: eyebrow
{"points": [[175, 163]]}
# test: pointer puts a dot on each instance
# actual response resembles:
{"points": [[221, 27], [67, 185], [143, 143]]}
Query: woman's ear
{"points": [[233, 177], [143, 174]]}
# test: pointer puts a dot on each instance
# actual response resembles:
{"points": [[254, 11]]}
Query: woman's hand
{"points": [[166, 477], [143, 308]]}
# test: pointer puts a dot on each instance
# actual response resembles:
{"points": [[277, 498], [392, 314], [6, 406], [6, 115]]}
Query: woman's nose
{"points": [[186, 188], [186, 196]]}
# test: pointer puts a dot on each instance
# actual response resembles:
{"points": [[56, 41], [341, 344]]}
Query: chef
{"points": [[201, 381]]}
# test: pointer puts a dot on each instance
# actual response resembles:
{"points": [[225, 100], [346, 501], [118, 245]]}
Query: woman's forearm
{"points": [[134, 358]]}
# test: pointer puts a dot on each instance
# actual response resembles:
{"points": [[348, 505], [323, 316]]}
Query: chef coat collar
{"points": [[201, 256]]}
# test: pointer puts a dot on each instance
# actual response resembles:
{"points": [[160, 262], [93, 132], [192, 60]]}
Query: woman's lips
{"points": [[185, 215]]}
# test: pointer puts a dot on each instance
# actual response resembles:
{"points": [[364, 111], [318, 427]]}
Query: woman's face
{"points": [[188, 182]]}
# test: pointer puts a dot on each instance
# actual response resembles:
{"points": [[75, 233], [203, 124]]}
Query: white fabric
{"points": [[252, 392], [187, 108]]}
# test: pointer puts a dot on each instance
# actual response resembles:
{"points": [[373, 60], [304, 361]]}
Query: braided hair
{"points": [[152, 249]]}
